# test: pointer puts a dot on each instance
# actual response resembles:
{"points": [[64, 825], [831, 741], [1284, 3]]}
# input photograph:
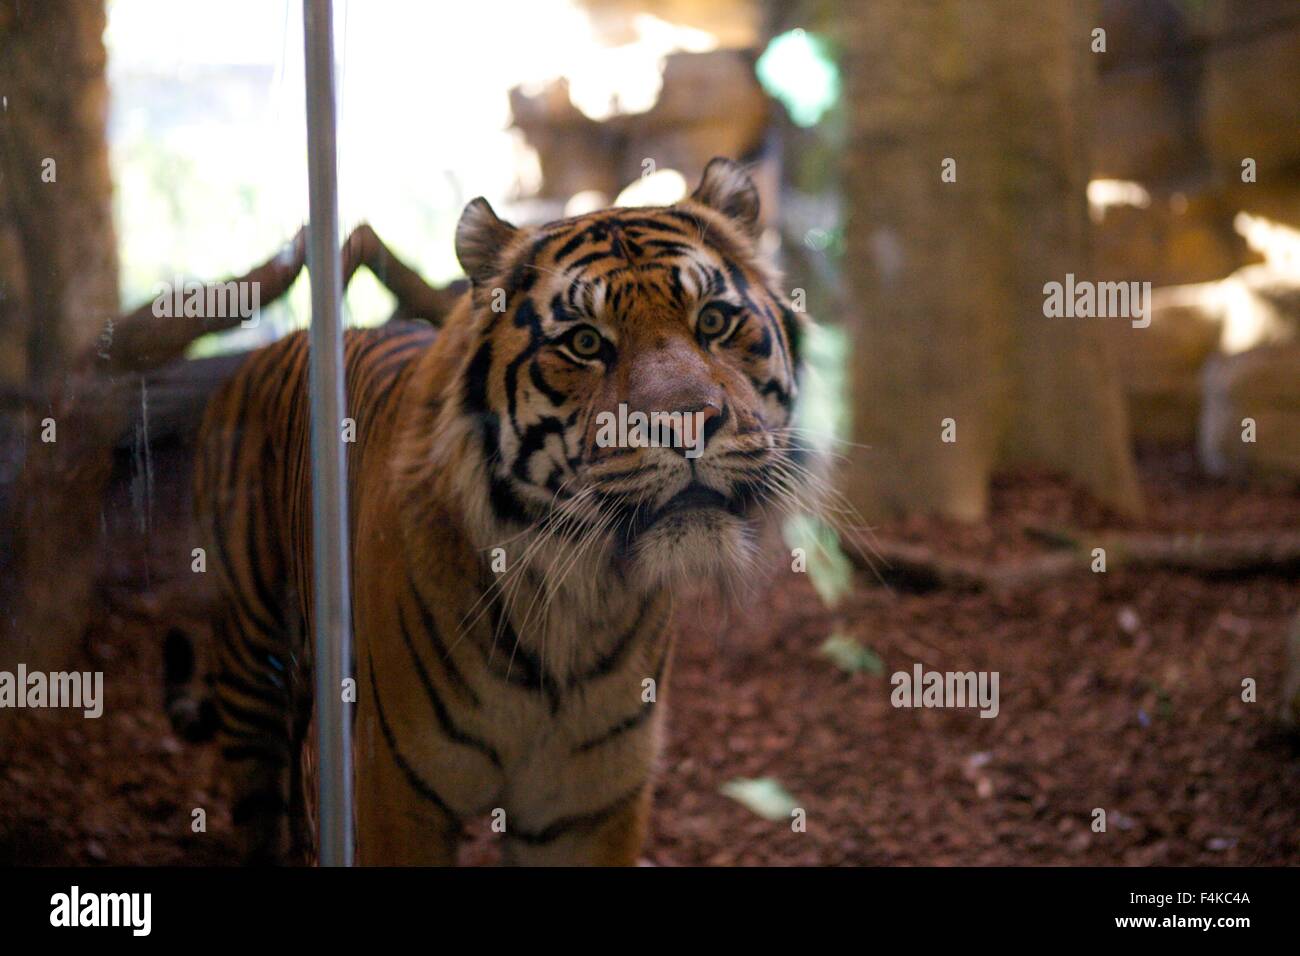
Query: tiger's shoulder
{"points": [[276, 378]]}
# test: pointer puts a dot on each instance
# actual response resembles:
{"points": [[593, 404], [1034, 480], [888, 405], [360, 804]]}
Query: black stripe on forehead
{"points": [[614, 252], [560, 312], [596, 233], [634, 225], [607, 239], [523, 271], [670, 247], [675, 287], [714, 282], [584, 290], [676, 243], [702, 233]]}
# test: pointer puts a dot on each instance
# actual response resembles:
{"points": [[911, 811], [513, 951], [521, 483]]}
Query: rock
{"points": [[1261, 385], [1245, 112], [1141, 132], [1175, 239], [1144, 128], [1160, 365]]}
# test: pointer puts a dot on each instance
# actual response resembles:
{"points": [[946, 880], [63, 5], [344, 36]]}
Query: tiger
{"points": [[512, 575]]}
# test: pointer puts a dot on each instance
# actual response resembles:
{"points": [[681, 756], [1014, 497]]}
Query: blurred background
{"points": [[926, 168]]}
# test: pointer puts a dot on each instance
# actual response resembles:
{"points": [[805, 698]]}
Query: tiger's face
{"points": [[629, 382]]}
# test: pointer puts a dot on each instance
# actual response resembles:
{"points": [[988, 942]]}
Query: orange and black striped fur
{"points": [[511, 576]]}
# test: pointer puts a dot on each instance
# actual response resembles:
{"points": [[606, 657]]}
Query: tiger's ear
{"points": [[727, 188], [480, 238]]}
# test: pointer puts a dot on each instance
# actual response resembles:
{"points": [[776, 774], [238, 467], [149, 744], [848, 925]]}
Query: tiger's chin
{"points": [[708, 547]]}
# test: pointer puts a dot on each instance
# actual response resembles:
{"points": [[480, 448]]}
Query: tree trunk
{"points": [[948, 277], [56, 202], [54, 166]]}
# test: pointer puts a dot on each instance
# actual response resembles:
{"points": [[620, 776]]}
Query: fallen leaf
{"points": [[764, 795], [848, 655]]}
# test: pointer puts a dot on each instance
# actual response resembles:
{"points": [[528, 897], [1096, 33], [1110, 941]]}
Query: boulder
{"points": [[1179, 238], [1250, 108], [1261, 385], [1160, 365]]}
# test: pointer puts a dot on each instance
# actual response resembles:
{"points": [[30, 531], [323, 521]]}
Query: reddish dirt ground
{"points": [[1119, 690]]}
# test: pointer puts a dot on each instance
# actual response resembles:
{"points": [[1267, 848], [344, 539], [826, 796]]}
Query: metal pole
{"points": [[332, 609]]}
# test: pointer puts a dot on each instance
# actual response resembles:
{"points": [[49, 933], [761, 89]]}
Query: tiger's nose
{"points": [[708, 412], [708, 418]]}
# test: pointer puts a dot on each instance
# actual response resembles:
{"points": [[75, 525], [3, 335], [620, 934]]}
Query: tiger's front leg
{"points": [[392, 828], [610, 838], [582, 798]]}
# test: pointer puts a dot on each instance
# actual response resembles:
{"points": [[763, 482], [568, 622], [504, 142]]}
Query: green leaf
{"points": [[848, 655], [828, 567], [764, 796]]}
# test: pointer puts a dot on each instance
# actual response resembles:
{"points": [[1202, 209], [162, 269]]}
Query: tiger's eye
{"points": [[711, 323], [585, 342]]}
